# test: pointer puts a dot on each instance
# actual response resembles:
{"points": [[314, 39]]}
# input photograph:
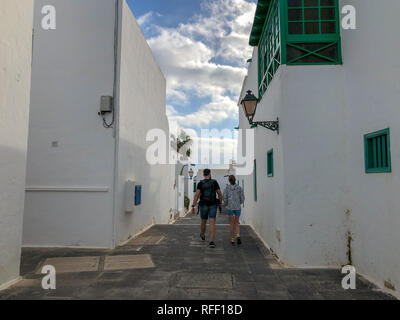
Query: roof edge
{"points": [[259, 20]]}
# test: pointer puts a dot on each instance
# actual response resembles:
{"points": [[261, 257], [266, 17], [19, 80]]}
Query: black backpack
{"points": [[208, 192]]}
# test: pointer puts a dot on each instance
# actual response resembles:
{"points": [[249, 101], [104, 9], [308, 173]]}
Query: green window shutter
{"points": [[255, 180], [377, 152], [270, 163]]}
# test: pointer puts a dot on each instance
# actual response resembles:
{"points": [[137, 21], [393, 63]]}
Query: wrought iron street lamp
{"points": [[249, 104]]}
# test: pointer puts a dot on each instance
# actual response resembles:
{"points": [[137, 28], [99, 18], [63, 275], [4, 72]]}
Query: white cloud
{"points": [[213, 112], [205, 58], [171, 111], [227, 25], [146, 18]]}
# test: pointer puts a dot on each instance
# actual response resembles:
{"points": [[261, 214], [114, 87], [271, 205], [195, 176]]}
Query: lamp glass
{"points": [[250, 107], [249, 104]]}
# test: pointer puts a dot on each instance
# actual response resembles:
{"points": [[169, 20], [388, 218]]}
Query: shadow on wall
{"points": [[12, 193], [156, 187]]}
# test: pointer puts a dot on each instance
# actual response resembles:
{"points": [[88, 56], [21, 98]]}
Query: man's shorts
{"points": [[208, 212], [234, 213]]}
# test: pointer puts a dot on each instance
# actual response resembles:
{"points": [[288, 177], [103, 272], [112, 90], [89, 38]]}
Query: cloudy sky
{"points": [[202, 48]]}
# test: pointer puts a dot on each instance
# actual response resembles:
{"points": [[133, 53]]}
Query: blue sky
{"points": [[173, 11], [202, 48]]}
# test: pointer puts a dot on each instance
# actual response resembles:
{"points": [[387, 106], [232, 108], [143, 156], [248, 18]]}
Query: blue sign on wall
{"points": [[138, 195]]}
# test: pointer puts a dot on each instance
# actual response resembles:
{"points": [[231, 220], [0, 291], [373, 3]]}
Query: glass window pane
{"points": [[311, 27], [311, 59], [328, 27], [294, 3], [293, 53], [327, 2], [311, 14], [295, 28], [330, 52], [328, 13], [311, 3], [295, 14]]}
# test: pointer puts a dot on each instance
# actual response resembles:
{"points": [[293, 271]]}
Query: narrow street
{"points": [[172, 262]]}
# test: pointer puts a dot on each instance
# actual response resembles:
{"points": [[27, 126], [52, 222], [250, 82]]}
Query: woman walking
{"points": [[233, 199]]}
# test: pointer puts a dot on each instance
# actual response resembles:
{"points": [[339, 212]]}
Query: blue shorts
{"points": [[208, 212], [234, 213]]}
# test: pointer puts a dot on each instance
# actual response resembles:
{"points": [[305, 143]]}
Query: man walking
{"points": [[207, 190]]}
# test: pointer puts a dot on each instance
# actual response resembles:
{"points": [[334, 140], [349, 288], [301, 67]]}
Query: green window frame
{"points": [[269, 48], [295, 32], [270, 163], [312, 32], [377, 152], [255, 180]]}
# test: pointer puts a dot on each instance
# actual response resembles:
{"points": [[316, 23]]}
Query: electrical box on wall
{"points": [[106, 104], [129, 196], [138, 195]]}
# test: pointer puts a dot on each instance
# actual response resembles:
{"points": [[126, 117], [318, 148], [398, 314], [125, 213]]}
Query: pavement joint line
{"points": [[195, 225], [161, 239], [73, 261], [57, 298], [101, 263], [124, 243], [39, 266]]}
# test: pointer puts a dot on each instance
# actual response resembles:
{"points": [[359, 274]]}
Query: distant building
{"points": [[220, 175], [323, 191], [79, 161]]}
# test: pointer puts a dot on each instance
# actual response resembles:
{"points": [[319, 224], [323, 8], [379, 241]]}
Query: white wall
{"points": [[265, 215], [15, 77], [313, 159], [372, 89], [300, 211], [142, 108], [69, 200], [296, 208], [181, 196], [320, 190]]}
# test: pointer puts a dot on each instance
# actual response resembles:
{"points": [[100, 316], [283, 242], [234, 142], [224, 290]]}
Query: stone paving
{"points": [[171, 262]]}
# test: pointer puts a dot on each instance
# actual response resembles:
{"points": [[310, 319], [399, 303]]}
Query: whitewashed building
{"points": [[96, 92], [324, 190], [15, 79]]}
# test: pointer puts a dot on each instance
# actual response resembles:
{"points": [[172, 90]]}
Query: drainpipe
{"points": [[117, 50]]}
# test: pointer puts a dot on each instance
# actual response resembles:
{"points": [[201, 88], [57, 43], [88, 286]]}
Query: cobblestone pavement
{"points": [[174, 263]]}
